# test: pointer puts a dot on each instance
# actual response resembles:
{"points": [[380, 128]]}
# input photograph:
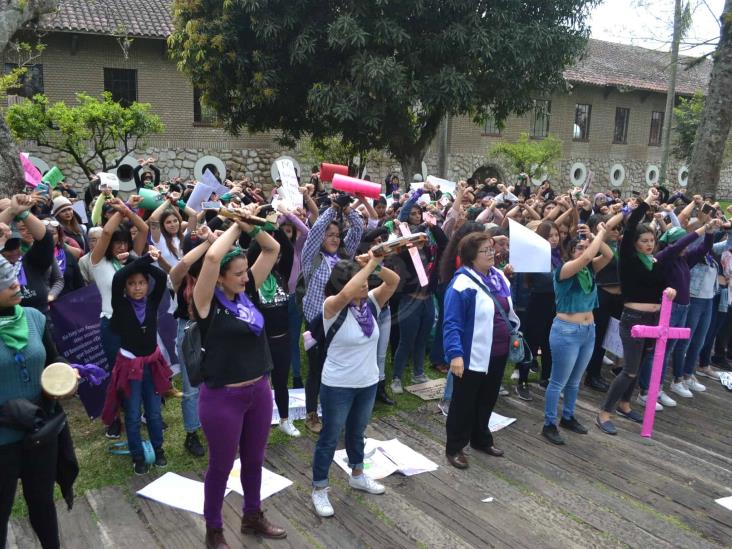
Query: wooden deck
{"points": [[596, 491]]}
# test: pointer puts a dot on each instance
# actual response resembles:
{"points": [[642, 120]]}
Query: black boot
{"points": [[381, 395], [193, 445]]}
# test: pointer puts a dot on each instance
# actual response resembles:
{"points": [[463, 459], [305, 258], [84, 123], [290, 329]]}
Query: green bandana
{"points": [[14, 330], [268, 289], [584, 276], [647, 260], [116, 264], [672, 235], [24, 247], [234, 253]]}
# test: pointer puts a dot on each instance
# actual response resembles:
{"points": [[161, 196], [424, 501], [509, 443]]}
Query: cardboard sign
{"points": [[446, 186], [431, 390], [108, 181], [53, 177], [31, 173]]}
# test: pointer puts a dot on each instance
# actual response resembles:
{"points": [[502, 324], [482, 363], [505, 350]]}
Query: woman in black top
{"points": [[140, 373], [642, 282], [235, 399]]}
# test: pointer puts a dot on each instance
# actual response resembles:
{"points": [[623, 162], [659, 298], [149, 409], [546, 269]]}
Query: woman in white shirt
{"points": [[350, 371], [167, 229]]}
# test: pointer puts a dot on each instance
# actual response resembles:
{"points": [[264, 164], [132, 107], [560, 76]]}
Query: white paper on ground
{"points": [[487, 500], [271, 482], [176, 491], [498, 422], [446, 186], [384, 458], [725, 502], [296, 406], [528, 252], [80, 208], [612, 342]]}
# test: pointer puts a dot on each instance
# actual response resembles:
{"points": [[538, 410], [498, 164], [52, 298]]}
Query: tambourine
{"points": [[399, 244], [59, 381]]}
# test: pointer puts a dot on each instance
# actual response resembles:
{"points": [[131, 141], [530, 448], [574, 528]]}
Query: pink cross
{"points": [[661, 333], [414, 253]]}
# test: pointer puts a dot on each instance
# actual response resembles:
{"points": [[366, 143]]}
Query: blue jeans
{"points": [[295, 330], [447, 395], [416, 317], [719, 316], [111, 342], [189, 402], [382, 345], [437, 352], [342, 407], [143, 392], [572, 346], [673, 351], [697, 320]]}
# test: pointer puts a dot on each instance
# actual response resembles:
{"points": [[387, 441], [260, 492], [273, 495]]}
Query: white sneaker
{"points": [[367, 484], [287, 427], [515, 375], [681, 390], [643, 399], [503, 391], [666, 400], [693, 385], [607, 361], [709, 372], [444, 406], [322, 504], [396, 386]]}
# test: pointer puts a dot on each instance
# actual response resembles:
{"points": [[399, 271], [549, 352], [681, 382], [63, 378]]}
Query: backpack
{"points": [[193, 352], [301, 286], [323, 340]]}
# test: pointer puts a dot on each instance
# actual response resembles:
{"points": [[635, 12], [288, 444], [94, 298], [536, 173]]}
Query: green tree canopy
{"points": [[687, 116], [530, 156], [380, 73], [97, 132]]}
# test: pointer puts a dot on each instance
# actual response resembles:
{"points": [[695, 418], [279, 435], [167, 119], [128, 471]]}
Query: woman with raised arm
{"points": [[235, 398], [572, 336], [167, 229], [350, 371], [643, 283]]}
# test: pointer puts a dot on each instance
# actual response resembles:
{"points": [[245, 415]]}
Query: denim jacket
{"points": [[704, 283]]}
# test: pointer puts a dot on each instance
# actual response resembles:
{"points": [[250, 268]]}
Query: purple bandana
{"points": [[243, 309], [139, 306], [331, 259], [61, 259], [495, 282], [362, 313], [20, 273], [556, 257]]}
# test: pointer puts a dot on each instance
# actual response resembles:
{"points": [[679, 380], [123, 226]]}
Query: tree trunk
{"points": [[711, 136], [411, 164], [13, 17]]}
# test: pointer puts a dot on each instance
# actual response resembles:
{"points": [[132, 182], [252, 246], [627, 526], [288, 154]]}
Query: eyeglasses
{"points": [[490, 252], [51, 223]]}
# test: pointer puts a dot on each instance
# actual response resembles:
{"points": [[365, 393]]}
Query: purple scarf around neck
{"points": [[495, 282], [139, 306], [362, 313], [556, 257], [331, 259], [61, 259], [243, 309]]}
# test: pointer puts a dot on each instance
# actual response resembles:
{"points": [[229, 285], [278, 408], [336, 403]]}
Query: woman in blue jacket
{"points": [[476, 339]]}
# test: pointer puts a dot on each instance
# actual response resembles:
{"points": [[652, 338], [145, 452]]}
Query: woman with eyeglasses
{"points": [[572, 336], [476, 338], [322, 250]]}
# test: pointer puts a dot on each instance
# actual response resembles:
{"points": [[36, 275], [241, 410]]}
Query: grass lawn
{"points": [[99, 468]]}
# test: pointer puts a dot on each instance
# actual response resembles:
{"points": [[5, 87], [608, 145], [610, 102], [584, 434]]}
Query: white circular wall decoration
{"points": [[42, 166], [577, 174], [204, 161], [652, 175], [683, 176], [617, 175], [124, 173], [276, 173], [537, 180]]}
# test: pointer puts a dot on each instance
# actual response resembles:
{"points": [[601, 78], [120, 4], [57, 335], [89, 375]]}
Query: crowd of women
{"points": [[315, 274]]}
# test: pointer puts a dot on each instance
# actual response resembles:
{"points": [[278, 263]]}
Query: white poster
{"points": [[271, 482], [80, 208], [445, 185], [385, 457], [612, 342], [528, 252], [200, 194], [289, 191], [176, 491]]}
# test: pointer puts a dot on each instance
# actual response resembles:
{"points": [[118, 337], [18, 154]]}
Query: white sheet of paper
{"points": [[210, 179], [498, 422], [612, 342], [375, 464], [528, 252], [271, 482], [108, 180], [288, 176], [415, 186], [295, 408], [200, 193], [384, 458], [80, 208], [176, 491], [487, 500], [725, 502], [446, 186]]}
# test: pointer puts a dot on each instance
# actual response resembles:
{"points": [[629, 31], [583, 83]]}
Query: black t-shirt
{"points": [[36, 264], [274, 310], [233, 353]]}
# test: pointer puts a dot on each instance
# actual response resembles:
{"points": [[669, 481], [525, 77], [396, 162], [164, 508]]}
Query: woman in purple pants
{"points": [[235, 400]]}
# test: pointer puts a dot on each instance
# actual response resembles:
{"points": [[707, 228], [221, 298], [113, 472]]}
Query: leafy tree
{"points": [[332, 149], [380, 73], [14, 14], [716, 117], [97, 132], [687, 116], [531, 156]]}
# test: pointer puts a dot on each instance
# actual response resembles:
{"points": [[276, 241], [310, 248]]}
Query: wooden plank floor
{"points": [[596, 491]]}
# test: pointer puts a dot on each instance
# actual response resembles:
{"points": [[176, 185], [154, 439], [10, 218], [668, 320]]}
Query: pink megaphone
{"points": [[353, 186], [327, 171]]}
